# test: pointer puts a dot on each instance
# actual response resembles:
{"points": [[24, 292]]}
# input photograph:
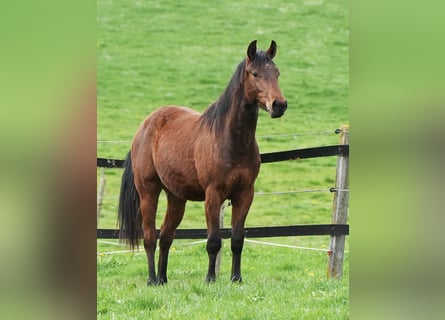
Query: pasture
{"points": [[153, 53]]}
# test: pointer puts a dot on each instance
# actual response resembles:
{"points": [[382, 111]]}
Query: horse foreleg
{"points": [[173, 217], [212, 207], [240, 208], [148, 210]]}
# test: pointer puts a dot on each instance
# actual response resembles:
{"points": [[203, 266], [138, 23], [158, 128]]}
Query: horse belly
{"points": [[182, 183], [173, 155]]}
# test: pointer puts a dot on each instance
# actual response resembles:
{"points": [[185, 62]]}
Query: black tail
{"points": [[129, 213]]}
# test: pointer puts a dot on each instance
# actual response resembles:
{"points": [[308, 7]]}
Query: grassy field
{"points": [[153, 53], [277, 284]]}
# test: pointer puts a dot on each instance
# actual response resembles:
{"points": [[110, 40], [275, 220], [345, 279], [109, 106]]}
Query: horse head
{"points": [[261, 80]]}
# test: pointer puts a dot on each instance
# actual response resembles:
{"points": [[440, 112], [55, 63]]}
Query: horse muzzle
{"points": [[278, 108]]}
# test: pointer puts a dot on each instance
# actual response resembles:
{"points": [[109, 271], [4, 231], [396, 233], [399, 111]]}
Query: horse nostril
{"points": [[278, 108], [275, 104], [281, 104]]}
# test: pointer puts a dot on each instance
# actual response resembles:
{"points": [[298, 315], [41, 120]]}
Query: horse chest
{"points": [[230, 176], [242, 174]]}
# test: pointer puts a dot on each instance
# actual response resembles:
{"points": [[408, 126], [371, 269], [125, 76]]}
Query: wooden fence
{"points": [[337, 230]]}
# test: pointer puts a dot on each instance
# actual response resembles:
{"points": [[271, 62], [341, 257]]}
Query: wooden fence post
{"points": [[221, 225], [340, 210], [100, 194]]}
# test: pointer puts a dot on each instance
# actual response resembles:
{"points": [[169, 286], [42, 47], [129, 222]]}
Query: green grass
{"points": [[153, 53], [278, 283]]}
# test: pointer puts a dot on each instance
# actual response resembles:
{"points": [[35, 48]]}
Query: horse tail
{"points": [[129, 212]]}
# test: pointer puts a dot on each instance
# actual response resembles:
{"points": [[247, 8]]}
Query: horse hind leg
{"points": [[173, 217], [149, 203]]}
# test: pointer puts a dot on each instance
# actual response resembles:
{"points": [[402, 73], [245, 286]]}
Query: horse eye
{"points": [[255, 74]]}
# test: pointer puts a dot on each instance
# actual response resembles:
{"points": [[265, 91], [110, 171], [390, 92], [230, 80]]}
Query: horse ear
{"points": [[272, 51], [251, 50]]}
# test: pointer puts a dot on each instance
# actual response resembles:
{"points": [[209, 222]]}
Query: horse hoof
{"points": [[237, 279], [152, 282], [210, 279]]}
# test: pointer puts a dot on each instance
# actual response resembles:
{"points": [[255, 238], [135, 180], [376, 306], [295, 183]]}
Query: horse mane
{"points": [[214, 114]]}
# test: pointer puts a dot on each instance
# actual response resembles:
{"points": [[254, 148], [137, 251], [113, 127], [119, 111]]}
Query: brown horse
{"points": [[208, 157]]}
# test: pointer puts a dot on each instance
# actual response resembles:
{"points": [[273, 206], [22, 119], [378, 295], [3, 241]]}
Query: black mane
{"points": [[214, 114]]}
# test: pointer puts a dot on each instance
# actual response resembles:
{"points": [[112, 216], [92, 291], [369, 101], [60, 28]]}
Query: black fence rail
{"points": [[326, 151], [253, 232]]}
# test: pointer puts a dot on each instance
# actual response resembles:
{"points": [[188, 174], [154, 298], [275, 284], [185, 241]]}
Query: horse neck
{"points": [[232, 118], [240, 127]]}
